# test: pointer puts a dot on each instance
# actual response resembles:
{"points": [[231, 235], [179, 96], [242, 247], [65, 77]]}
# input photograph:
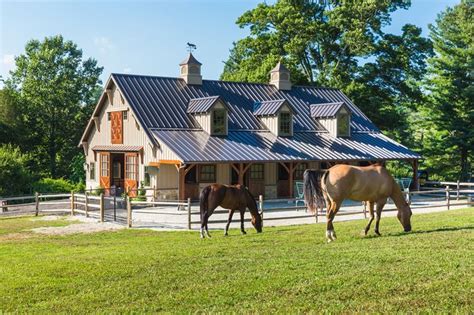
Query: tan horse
{"points": [[232, 197], [373, 184]]}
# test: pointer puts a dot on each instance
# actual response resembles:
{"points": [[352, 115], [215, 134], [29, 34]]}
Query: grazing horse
{"points": [[235, 197], [373, 184]]}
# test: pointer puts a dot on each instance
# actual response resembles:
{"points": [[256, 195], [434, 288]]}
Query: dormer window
{"points": [[343, 123], [285, 124], [210, 113], [219, 122], [276, 115], [335, 117]]}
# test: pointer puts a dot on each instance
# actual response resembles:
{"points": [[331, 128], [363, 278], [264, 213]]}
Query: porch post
{"points": [[416, 183], [291, 178], [181, 182], [241, 173]]}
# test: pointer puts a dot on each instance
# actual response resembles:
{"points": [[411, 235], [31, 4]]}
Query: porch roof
{"points": [[262, 146], [117, 148]]}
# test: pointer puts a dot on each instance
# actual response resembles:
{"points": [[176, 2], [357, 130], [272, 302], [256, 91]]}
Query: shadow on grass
{"points": [[443, 229]]}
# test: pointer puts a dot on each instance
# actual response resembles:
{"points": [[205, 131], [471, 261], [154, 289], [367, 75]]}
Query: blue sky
{"points": [[149, 37]]}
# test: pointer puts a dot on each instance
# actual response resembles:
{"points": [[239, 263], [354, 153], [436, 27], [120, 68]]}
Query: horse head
{"points": [[257, 221], [404, 216]]}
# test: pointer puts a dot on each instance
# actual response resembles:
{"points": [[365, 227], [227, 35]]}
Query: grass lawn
{"points": [[283, 269]]}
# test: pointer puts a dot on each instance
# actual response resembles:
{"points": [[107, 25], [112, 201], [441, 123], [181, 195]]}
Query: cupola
{"points": [[280, 77], [335, 117], [190, 70]]}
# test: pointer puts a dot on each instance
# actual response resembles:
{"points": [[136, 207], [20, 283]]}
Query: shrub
{"points": [[141, 195], [14, 174], [51, 185]]}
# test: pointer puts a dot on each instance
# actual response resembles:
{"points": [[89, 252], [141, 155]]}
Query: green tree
{"points": [[325, 42], [54, 85], [447, 116], [14, 174]]}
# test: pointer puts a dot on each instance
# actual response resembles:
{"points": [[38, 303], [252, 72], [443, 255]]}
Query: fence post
{"points": [[189, 213], [115, 207], [101, 207], [155, 193], [408, 197], [86, 203], [3, 205], [365, 209], [457, 190], [129, 212], [260, 206], [72, 202], [37, 202], [448, 198]]}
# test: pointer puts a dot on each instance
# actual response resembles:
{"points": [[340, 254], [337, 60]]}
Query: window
{"points": [[343, 125], [191, 176], [147, 180], [257, 172], [117, 170], [131, 163], [219, 122], [300, 168], [92, 171], [104, 165], [208, 174], [285, 124], [125, 115]]}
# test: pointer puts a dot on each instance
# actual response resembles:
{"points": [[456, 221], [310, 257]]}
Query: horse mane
{"points": [[252, 198], [313, 192]]}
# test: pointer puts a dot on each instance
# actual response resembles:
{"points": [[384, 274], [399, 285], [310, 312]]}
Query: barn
{"points": [[180, 134]]}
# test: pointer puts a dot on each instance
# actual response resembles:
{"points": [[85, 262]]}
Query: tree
{"points": [[324, 43], [53, 84], [447, 116], [14, 174]]}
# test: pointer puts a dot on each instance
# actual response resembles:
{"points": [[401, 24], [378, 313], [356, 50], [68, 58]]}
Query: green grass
{"points": [[283, 269]]}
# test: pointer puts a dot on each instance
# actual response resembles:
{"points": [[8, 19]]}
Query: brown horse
{"points": [[236, 197], [373, 184]]}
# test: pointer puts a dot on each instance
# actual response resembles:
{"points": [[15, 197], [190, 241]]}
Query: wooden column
{"points": [[241, 170], [416, 184], [181, 182]]}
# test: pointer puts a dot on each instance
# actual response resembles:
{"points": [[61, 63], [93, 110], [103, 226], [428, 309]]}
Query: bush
{"points": [[141, 195], [51, 185], [14, 174]]}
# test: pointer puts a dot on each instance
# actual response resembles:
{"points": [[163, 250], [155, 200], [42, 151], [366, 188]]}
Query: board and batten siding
{"points": [[133, 135], [330, 124]]}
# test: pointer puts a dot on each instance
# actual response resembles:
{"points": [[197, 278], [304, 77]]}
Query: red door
{"points": [[117, 127], [131, 173], [104, 179]]}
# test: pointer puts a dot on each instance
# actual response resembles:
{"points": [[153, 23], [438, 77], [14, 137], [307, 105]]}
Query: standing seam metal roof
{"points": [[202, 104], [325, 110], [269, 107]]}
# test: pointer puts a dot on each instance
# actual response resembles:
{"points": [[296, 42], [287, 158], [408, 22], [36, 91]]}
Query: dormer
{"points": [[280, 77], [211, 113], [335, 117], [277, 116], [190, 70]]}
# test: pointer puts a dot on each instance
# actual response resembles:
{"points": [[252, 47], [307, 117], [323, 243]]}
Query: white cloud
{"points": [[8, 62], [104, 44]]}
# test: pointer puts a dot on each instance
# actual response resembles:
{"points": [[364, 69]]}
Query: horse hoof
{"points": [[225, 234], [378, 233], [243, 233], [363, 233]]}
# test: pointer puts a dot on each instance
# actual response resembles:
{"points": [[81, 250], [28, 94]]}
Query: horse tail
{"points": [[313, 192], [203, 200]]}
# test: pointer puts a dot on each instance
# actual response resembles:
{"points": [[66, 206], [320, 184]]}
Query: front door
{"points": [[131, 173], [105, 172], [256, 179], [283, 190]]}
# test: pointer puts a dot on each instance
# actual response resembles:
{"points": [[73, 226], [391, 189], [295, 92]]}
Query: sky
{"points": [[149, 37]]}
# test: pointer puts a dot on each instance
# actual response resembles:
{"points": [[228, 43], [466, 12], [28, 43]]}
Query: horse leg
{"points": [[203, 224], [331, 213], [378, 214], [242, 230], [371, 219], [231, 213]]}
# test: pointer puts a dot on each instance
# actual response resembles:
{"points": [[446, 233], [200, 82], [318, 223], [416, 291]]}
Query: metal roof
{"points": [[263, 146], [325, 110], [117, 148], [201, 104], [269, 107], [160, 102]]}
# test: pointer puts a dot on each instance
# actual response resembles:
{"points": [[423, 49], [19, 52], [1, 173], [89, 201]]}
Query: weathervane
{"points": [[191, 47]]}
